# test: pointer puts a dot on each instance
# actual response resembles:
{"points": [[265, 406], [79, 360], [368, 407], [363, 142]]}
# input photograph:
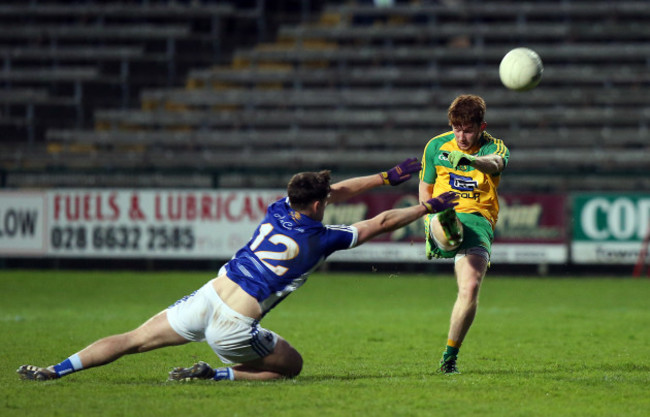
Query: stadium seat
{"points": [[356, 80]]}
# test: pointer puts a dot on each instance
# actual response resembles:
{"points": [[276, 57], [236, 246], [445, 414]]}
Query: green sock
{"points": [[449, 352]]}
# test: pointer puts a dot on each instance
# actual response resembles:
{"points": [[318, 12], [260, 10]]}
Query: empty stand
{"points": [[355, 89], [100, 54]]}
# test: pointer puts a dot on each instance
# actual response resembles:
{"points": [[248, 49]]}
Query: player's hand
{"points": [[401, 172], [459, 158], [441, 203]]}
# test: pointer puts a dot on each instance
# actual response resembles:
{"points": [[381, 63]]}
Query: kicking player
{"points": [[469, 162], [289, 243]]}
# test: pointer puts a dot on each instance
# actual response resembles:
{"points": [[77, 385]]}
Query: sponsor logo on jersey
{"points": [[460, 183]]}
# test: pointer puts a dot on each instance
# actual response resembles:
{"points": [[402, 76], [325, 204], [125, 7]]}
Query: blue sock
{"points": [[224, 374], [68, 366]]}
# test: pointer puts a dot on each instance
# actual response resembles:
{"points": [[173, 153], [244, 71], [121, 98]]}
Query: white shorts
{"points": [[476, 250], [235, 338]]}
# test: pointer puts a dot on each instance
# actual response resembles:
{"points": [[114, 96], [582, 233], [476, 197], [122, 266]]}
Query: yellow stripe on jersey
{"points": [[500, 147]]}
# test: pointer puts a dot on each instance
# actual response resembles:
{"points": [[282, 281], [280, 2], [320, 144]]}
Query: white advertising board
{"points": [[131, 223], [22, 223]]}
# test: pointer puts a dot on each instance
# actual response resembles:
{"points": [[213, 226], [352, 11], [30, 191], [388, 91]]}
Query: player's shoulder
{"points": [[491, 140], [278, 208], [494, 144], [280, 204], [438, 141]]}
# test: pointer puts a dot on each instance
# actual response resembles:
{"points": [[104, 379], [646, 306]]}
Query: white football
{"points": [[521, 69]]}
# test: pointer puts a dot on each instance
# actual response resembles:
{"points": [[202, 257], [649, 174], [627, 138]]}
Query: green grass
{"points": [[539, 347]]}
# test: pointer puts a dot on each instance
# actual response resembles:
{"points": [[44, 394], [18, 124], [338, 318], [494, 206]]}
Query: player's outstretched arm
{"points": [[401, 172], [394, 219], [488, 164]]}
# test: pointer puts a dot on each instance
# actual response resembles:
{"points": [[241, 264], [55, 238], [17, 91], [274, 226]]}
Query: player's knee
{"points": [[445, 245], [469, 290], [438, 235], [286, 360], [295, 365]]}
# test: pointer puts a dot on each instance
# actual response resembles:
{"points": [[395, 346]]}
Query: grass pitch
{"points": [[371, 343]]}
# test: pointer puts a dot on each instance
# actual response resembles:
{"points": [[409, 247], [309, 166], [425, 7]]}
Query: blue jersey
{"points": [[284, 249]]}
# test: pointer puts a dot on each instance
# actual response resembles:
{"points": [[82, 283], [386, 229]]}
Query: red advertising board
{"points": [[523, 218], [532, 218], [531, 229]]}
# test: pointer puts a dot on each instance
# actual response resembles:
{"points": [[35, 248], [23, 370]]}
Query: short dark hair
{"points": [[466, 109], [306, 187]]}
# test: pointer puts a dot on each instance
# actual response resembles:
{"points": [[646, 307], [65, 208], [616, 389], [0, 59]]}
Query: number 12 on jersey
{"points": [[291, 248]]}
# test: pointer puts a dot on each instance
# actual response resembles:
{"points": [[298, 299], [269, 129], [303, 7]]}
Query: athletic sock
{"points": [[68, 366], [452, 349], [221, 374]]}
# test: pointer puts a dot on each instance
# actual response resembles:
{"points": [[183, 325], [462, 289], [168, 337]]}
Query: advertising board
{"points": [[609, 228], [214, 224]]}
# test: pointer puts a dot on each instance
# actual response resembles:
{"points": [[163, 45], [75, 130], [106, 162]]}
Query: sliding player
{"points": [[289, 243]]}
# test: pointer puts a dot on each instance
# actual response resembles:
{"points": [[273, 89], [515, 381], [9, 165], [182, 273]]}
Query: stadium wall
{"points": [[547, 230]]}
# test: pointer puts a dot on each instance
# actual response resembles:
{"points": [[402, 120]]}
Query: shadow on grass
{"points": [[370, 376], [563, 369], [324, 378]]}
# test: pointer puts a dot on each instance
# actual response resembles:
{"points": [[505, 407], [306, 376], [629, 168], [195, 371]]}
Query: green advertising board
{"points": [[609, 228]]}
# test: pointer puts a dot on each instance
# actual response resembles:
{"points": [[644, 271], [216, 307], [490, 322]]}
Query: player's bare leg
{"points": [[153, 334], [470, 270], [447, 230]]}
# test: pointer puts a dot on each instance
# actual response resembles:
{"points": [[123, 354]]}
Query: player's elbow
{"points": [[499, 165], [492, 168], [386, 225]]}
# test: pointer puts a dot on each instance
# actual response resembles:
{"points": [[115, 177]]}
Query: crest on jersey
{"points": [[460, 183], [295, 216]]}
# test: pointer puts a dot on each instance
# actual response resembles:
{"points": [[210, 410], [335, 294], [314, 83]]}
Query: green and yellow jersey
{"points": [[477, 190]]}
